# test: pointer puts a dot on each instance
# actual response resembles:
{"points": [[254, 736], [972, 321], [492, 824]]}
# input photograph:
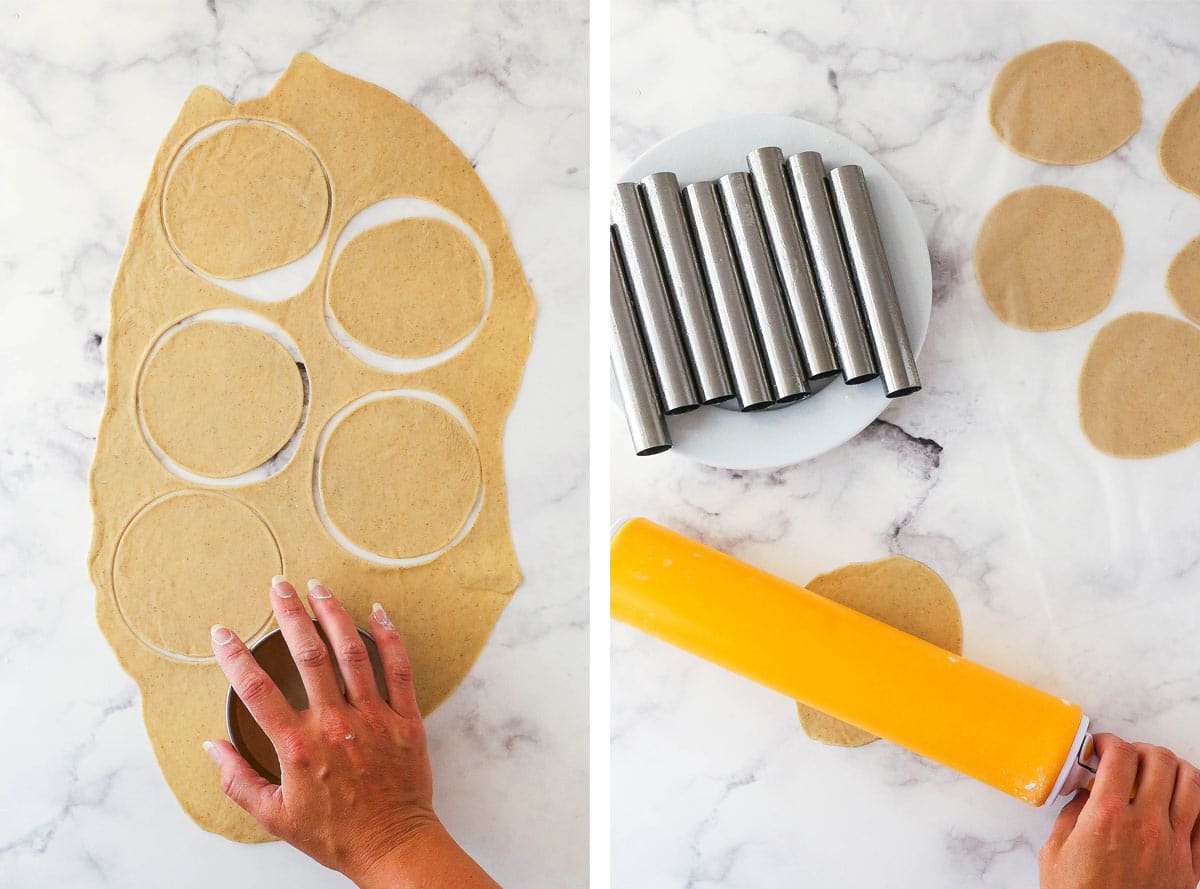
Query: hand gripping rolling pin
{"points": [[1030, 744]]}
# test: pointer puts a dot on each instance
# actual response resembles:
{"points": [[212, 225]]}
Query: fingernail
{"points": [[316, 591], [380, 615], [221, 635], [214, 752], [281, 588]]}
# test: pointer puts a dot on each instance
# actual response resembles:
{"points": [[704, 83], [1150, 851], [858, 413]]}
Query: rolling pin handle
{"points": [[1081, 767]]}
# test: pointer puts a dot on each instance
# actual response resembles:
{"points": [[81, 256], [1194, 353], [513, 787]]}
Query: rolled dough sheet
{"points": [[220, 399], [1183, 279], [170, 557], [409, 288], [1068, 102], [1047, 257], [899, 591], [1138, 395], [245, 199], [1179, 145]]}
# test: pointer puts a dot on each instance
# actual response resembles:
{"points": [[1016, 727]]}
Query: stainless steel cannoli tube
{"points": [[729, 300], [663, 344], [784, 367], [873, 277], [639, 396], [791, 261], [806, 173], [682, 275]]}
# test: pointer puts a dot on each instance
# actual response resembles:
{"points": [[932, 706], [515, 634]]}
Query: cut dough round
{"points": [[899, 591], [1064, 103], [1179, 145], [1183, 279], [1137, 391], [1047, 257], [246, 199], [190, 560], [409, 288], [221, 398], [399, 476]]}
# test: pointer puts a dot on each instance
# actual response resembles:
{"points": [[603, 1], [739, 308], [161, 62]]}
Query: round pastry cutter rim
{"points": [[233, 704]]}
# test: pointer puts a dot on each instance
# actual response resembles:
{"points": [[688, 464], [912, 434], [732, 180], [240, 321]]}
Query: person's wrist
{"points": [[390, 854]]}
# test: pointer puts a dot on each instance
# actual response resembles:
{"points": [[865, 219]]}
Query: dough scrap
{"points": [[899, 591], [373, 146], [1047, 257], [409, 288], [399, 476], [220, 399], [246, 199], [176, 558], [1183, 279], [1138, 395], [1179, 145], [1068, 102]]}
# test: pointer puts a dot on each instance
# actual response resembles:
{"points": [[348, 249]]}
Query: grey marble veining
{"points": [[1074, 571], [87, 91]]}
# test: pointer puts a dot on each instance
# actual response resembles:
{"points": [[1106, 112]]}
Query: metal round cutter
{"points": [[272, 654]]}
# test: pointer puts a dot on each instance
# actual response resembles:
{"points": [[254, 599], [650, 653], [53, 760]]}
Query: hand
{"points": [[1137, 829], [356, 792]]}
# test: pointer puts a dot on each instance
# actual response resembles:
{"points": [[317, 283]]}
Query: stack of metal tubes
{"points": [[750, 287]]}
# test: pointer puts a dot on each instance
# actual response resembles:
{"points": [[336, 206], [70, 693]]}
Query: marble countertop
{"points": [[1074, 571], [86, 93]]}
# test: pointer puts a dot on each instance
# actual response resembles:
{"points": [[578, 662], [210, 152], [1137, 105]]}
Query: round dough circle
{"points": [[899, 591], [189, 560], [1064, 103], [246, 199], [1047, 257], [408, 288], [399, 476], [1137, 391], [1183, 279], [1179, 145], [220, 398]]}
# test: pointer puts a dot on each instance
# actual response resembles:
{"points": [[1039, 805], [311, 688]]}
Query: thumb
{"points": [[1067, 818], [243, 785]]}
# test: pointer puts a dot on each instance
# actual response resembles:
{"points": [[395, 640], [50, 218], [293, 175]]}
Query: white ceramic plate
{"points": [[837, 413]]}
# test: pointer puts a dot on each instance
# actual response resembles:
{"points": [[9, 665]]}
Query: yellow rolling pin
{"points": [[1030, 744]]}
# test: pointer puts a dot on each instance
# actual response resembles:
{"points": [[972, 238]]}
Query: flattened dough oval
{"points": [[220, 398], [899, 591], [1137, 391], [399, 476], [1179, 145], [408, 288], [189, 560], [1183, 279], [246, 199], [1047, 257], [1068, 102]]}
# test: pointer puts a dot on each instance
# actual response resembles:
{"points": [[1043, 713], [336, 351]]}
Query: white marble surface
{"points": [[1073, 570], [86, 92]]}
